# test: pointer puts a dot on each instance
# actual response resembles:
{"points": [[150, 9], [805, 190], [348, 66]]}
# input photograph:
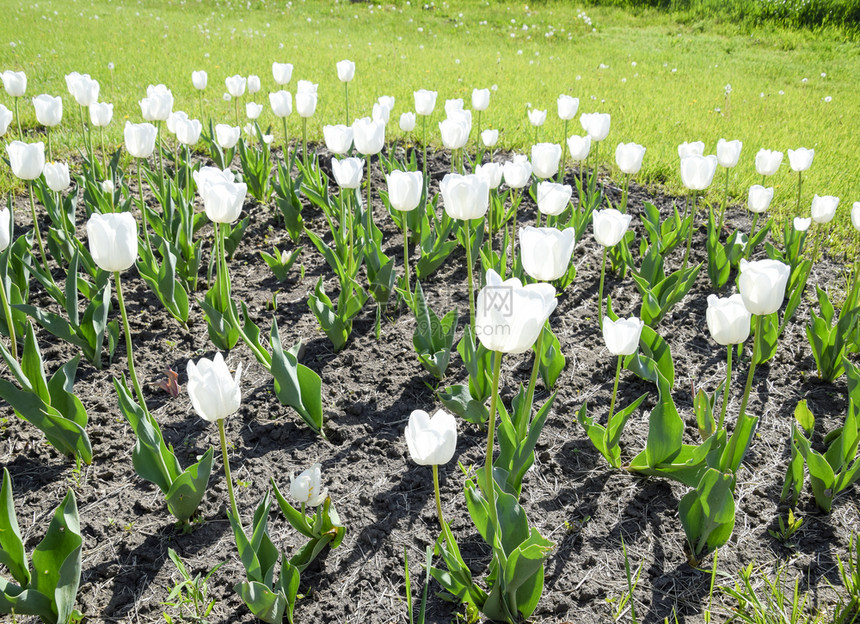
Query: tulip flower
{"points": [[596, 125], [227, 136], [57, 176], [236, 85], [49, 110], [694, 148], [552, 198], [253, 84], [480, 99], [347, 172], [381, 113], [14, 82], [108, 186], [762, 285], [800, 159], [622, 336], [697, 172], [491, 172], [27, 161], [567, 107], [188, 131], [537, 117], [729, 323], [517, 172], [610, 226], [425, 102], [455, 131], [338, 139], [174, 118], [253, 110], [158, 103], [407, 122], [824, 208], [140, 139], [306, 105], [113, 240], [546, 252], [801, 224], [5, 231], [281, 103], [759, 198], [223, 200], [432, 442], [453, 106], [282, 72], [728, 152], [5, 119], [215, 394], [84, 89], [199, 79], [767, 162], [345, 70], [307, 488], [466, 197], [404, 194], [628, 157], [101, 114], [545, 159], [579, 147], [489, 138]]}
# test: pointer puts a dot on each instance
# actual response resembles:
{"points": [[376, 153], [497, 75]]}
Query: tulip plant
{"points": [[49, 588]]}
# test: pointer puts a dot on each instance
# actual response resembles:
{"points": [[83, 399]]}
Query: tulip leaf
{"points": [[687, 466], [12, 553], [188, 488], [768, 339], [297, 519], [221, 332], [792, 484], [288, 585], [552, 360], [459, 400], [708, 512], [478, 361], [804, 417], [665, 429], [433, 338], [719, 265], [524, 572], [295, 384], [265, 604], [288, 202], [703, 406]]}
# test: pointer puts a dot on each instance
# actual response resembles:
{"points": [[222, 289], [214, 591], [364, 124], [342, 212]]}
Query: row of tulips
{"points": [[508, 317]]}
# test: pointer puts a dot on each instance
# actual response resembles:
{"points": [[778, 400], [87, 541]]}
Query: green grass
{"points": [[674, 93]]}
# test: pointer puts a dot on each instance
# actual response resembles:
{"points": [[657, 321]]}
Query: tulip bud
{"points": [[762, 285], [465, 196], [26, 159], [404, 189], [728, 153], [480, 99], [545, 159], [628, 157], [253, 110], [596, 125], [695, 148], [5, 229], [425, 102], [345, 70], [57, 176], [697, 172], [112, 240], [537, 117], [728, 319], [236, 85], [455, 129], [759, 198], [108, 186], [579, 147], [214, 393], [338, 139], [622, 336], [306, 103], [824, 208], [767, 162], [307, 487], [431, 440], [546, 251], [801, 224], [140, 139], [801, 158], [552, 198], [567, 107], [253, 84], [491, 172], [347, 172], [489, 138], [101, 114], [5, 119], [282, 72], [407, 122], [517, 172], [49, 110], [14, 82], [369, 136], [509, 316], [281, 103], [199, 79], [227, 136], [610, 225], [855, 215]]}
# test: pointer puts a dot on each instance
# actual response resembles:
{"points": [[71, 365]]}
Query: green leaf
{"points": [[188, 488], [459, 400], [708, 512], [265, 604], [804, 417], [295, 384], [12, 553]]}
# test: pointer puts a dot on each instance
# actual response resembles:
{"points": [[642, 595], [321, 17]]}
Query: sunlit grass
{"points": [[662, 82]]}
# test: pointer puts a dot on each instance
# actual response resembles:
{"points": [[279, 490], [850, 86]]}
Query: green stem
{"points": [[346, 92], [438, 498], [286, 144], [612, 402], [160, 158], [83, 128], [530, 393], [689, 237], [748, 250], [104, 158], [799, 184], [227, 476], [18, 120], [36, 227], [490, 491], [7, 310], [142, 205], [368, 211], [726, 389], [236, 107], [515, 204], [128, 347], [50, 151], [815, 247], [424, 145], [626, 190], [469, 279], [756, 350], [561, 167], [406, 250], [600, 290], [725, 203], [305, 141]]}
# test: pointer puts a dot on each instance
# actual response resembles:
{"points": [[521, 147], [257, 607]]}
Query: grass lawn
{"points": [[662, 82]]}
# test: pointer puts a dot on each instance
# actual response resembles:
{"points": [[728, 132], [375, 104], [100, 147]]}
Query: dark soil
{"points": [[383, 498]]}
